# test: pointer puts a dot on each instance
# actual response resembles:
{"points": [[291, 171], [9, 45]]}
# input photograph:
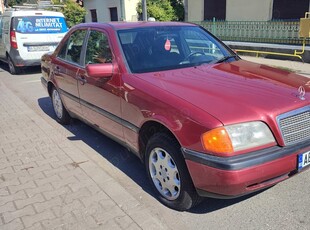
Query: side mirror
{"points": [[100, 70]]}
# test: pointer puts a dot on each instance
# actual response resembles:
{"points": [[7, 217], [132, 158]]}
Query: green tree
{"points": [[163, 10], [178, 7], [16, 2], [72, 11]]}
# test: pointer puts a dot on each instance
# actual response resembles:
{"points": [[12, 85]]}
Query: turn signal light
{"points": [[217, 141]]}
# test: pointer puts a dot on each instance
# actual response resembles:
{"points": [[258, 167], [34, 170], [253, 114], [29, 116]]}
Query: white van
{"points": [[25, 35]]}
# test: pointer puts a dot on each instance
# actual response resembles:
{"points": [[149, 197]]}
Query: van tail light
{"points": [[13, 40]]}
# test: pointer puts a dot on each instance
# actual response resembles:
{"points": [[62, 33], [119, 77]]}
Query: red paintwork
{"points": [[219, 91], [188, 102], [100, 71], [239, 182]]}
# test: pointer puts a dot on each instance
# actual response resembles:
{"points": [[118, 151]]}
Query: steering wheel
{"points": [[194, 54]]}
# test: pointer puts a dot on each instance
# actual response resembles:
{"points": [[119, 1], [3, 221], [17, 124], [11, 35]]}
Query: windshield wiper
{"points": [[225, 58]]}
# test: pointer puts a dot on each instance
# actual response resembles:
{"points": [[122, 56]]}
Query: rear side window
{"points": [[72, 49], [39, 24]]}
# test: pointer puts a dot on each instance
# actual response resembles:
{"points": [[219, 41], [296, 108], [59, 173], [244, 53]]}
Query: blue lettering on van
{"points": [[42, 24], [24, 26]]}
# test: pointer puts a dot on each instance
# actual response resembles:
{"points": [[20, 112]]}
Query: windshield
{"points": [[170, 47], [39, 24]]}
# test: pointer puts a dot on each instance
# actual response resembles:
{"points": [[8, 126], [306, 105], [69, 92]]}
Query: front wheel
{"points": [[62, 114], [168, 173]]}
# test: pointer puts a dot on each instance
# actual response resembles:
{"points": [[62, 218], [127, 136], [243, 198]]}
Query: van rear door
{"points": [[36, 35]]}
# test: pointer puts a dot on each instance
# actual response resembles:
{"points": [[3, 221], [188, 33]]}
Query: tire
{"points": [[168, 174], [12, 68], [61, 113]]}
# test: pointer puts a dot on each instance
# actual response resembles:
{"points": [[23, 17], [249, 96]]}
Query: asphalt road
{"points": [[284, 206]]}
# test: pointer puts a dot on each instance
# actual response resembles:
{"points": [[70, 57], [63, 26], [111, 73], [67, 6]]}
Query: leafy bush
{"points": [[74, 13], [163, 10]]}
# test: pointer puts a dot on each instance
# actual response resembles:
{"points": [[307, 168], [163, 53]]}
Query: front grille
{"points": [[295, 125]]}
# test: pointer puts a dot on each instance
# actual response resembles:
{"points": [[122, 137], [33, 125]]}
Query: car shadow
{"points": [[23, 71], [126, 161], [209, 205]]}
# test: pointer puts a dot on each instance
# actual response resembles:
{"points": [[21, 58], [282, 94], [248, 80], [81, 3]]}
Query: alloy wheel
{"points": [[164, 174]]}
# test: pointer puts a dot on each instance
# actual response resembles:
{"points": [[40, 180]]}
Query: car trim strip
{"points": [[244, 160], [103, 112], [44, 82], [69, 95]]}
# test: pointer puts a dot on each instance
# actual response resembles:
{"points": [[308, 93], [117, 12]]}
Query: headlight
{"points": [[234, 138]]}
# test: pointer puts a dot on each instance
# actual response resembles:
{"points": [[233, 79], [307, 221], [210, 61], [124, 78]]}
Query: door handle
{"points": [[57, 70], [81, 79]]}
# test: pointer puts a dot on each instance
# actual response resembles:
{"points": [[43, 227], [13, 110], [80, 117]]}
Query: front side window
{"points": [[170, 47], [98, 49], [39, 24], [72, 48]]}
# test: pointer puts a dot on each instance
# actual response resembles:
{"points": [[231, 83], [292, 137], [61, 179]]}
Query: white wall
{"points": [[236, 10], [249, 10], [195, 10], [103, 12], [131, 10]]}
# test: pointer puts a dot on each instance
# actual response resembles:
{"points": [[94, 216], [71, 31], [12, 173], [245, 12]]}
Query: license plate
{"points": [[303, 160], [38, 48]]}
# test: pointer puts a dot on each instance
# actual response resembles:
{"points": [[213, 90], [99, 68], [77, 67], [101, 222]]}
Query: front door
{"points": [[99, 97], [67, 65]]}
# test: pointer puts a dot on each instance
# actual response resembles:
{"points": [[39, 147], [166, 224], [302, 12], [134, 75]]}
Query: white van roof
{"points": [[16, 13]]}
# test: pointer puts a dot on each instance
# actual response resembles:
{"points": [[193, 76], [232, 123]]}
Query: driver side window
{"points": [[98, 49]]}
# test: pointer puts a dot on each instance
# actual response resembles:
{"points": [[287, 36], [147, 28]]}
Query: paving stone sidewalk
{"points": [[48, 183]]}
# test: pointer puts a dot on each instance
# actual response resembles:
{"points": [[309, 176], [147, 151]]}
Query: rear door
{"points": [[37, 34], [66, 66], [4, 40], [100, 98]]}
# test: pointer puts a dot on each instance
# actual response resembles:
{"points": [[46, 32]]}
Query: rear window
{"points": [[39, 24]]}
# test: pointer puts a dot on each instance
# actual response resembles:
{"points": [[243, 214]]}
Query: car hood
{"points": [[235, 92]]}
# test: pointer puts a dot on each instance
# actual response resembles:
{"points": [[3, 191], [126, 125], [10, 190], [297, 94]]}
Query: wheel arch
{"points": [[50, 86], [147, 130]]}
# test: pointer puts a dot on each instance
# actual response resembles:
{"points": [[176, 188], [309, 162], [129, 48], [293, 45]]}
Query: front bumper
{"points": [[227, 177]]}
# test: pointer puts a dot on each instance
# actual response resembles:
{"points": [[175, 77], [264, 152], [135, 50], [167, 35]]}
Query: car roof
{"points": [[131, 25]]}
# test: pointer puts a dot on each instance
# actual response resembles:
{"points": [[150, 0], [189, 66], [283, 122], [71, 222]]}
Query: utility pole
{"points": [[144, 10]]}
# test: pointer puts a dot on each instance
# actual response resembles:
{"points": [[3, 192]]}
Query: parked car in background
{"points": [[25, 35], [204, 122]]}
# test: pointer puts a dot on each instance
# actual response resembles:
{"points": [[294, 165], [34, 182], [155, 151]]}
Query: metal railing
{"points": [[279, 32]]}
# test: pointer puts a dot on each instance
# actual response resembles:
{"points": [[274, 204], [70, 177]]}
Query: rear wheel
{"points": [[12, 68], [168, 173], [62, 114]]}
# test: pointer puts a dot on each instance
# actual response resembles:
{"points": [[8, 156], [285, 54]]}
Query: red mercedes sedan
{"points": [[203, 121]]}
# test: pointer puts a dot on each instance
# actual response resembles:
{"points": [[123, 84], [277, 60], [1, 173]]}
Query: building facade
{"points": [[246, 10], [110, 10]]}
